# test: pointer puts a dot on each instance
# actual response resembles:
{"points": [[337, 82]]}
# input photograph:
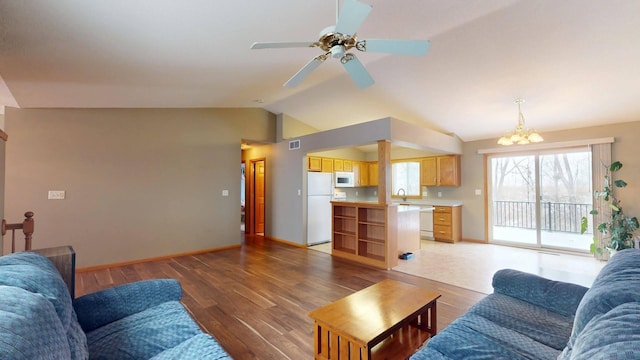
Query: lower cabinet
{"points": [[447, 223]]}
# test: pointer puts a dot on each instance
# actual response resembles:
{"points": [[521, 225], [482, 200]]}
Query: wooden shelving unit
{"points": [[362, 232]]}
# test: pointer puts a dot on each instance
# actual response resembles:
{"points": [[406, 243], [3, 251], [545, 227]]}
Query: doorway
{"points": [[255, 212], [538, 199]]}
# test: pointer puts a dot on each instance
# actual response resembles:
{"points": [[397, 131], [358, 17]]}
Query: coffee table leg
{"points": [[428, 320]]}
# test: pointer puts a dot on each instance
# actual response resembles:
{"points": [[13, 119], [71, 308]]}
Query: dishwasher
{"points": [[426, 222]]}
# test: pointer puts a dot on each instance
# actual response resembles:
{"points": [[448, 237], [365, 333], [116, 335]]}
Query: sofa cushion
{"points": [[537, 323], [502, 327], [557, 296], [616, 284], [105, 306], [614, 335], [462, 339], [144, 334], [37, 274], [202, 346], [30, 327]]}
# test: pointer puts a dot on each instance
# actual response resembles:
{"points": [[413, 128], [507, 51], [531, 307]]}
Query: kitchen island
{"points": [[374, 234]]}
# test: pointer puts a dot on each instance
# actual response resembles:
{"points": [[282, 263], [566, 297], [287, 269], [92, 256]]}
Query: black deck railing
{"points": [[561, 217]]}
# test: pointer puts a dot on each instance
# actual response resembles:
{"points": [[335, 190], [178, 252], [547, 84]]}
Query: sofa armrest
{"points": [[102, 307], [560, 297]]}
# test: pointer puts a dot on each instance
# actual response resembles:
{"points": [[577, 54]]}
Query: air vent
{"points": [[294, 144]]}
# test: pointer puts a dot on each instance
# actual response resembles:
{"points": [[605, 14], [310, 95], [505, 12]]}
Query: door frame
{"points": [[250, 198]]}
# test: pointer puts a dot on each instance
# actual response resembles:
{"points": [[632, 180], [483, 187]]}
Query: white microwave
{"points": [[344, 179]]}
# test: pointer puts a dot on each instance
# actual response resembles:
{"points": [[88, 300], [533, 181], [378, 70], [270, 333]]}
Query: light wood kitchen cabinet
{"points": [[428, 172], [338, 165], [347, 165], [440, 171], [314, 163], [360, 173], [447, 223], [373, 173], [327, 165], [364, 173]]}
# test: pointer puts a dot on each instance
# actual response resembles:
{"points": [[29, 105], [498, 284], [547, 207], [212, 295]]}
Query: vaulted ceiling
{"points": [[575, 62]]}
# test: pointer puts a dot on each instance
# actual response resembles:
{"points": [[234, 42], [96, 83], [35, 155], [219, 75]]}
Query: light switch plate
{"points": [[225, 192], [56, 195], [478, 192]]}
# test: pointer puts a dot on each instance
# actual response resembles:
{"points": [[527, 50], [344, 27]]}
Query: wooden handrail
{"points": [[27, 227]]}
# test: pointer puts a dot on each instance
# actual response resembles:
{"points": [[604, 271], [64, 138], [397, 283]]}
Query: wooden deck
{"points": [[255, 299]]}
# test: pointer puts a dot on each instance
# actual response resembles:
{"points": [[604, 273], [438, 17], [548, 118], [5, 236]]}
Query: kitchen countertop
{"points": [[433, 202]]}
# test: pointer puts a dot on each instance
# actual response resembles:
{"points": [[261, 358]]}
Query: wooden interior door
{"points": [[259, 196]]}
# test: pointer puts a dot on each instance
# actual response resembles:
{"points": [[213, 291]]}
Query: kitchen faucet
{"points": [[404, 194]]}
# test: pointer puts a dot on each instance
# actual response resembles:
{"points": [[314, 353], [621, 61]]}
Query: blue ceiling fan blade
{"points": [[357, 71], [277, 45], [305, 71], [405, 47], [351, 16]]}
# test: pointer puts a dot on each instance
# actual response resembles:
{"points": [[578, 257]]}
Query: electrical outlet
{"points": [[439, 193], [225, 192], [478, 192], [56, 195]]}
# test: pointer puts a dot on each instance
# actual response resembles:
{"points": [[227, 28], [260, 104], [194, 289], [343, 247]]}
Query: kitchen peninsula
{"points": [[374, 234]]}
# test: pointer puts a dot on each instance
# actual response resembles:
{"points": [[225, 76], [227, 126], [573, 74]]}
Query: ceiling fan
{"points": [[336, 42]]}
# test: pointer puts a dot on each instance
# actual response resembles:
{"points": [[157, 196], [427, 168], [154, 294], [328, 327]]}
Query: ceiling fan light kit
{"points": [[520, 136], [336, 42]]}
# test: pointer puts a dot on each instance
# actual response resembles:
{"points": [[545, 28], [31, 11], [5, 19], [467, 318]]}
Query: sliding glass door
{"points": [[537, 199]]}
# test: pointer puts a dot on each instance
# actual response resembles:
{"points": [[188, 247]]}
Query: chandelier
{"points": [[520, 136]]}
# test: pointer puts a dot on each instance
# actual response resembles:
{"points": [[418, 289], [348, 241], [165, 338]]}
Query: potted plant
{"points": [[618, 229]]}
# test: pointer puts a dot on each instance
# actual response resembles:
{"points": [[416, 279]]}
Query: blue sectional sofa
{"points": [[530, 317], [142, 320]]}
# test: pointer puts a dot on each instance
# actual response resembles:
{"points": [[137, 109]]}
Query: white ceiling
{"points": [[575, 62]]}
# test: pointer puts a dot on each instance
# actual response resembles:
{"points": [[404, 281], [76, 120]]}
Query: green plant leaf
{"points": [[620, 183], [615, 166], [593, 212], [614, 208], [584, 225]]}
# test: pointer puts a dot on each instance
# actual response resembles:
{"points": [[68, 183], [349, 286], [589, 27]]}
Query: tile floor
{"points": [[471, 266]]}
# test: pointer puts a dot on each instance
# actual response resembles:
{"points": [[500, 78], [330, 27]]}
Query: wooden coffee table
{"points": [[390, 319]]}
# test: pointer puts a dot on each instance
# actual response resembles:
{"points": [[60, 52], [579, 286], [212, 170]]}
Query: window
{"points": [[405, 178]]}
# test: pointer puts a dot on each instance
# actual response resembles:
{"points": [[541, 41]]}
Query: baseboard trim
{"points": [[164, 257], [479, 241], [287, 242]]}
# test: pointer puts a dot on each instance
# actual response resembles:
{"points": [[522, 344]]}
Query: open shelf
{"points": [[344, 243], [372, 215], [344, 211], [372, 232], [372, 250], [361, 233]]}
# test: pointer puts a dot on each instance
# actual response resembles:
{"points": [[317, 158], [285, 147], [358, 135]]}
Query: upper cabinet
{"points": [[327, 165], [361, 173], [373, 173], [315, 163], [440, 171], [434, 171], [338, 165]]}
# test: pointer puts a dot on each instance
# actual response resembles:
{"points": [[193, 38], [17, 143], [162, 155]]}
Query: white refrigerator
{"points": [[319, 192]]}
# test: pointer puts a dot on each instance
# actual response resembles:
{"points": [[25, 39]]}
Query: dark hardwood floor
{"points": [[255, 299]]}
